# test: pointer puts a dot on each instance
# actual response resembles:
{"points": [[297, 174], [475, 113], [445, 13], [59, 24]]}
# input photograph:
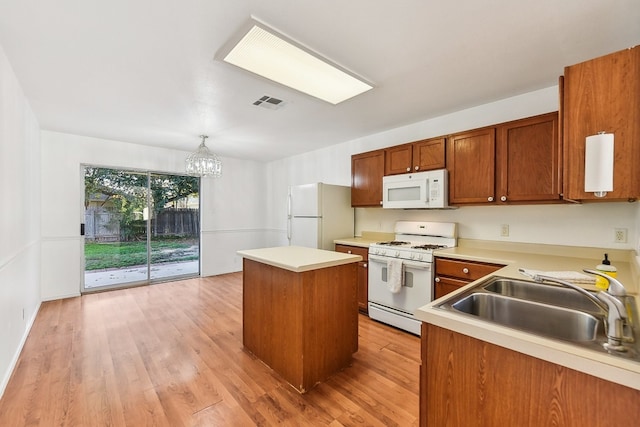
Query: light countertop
{"points": [[355, 241], [367, 238], [611, 368], [298, 258]]}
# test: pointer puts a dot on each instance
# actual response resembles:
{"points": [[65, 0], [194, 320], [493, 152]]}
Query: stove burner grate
{"points": [[393, 243], [428, 246]]}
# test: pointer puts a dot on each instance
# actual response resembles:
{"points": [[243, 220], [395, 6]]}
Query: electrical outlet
{"points": [[504, 230], [620, 235]]}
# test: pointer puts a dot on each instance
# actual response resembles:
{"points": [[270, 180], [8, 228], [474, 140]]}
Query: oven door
{"points": [[416, 291]]}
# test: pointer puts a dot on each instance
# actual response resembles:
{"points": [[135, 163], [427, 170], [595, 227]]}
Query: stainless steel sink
{"points": [[542, 292], [545, 310], [548, 320]]}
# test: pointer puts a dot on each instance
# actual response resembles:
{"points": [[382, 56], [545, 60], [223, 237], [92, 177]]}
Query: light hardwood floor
{"points": [[171, 355]]}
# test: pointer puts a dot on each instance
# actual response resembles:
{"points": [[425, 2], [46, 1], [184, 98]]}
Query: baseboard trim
{"points": [[16, 356]]}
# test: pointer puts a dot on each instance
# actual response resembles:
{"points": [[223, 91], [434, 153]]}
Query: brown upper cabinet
{"points": [[513, 162], [603, 95], [529, 160], [367, 170], [471, 164], [418, 156]]}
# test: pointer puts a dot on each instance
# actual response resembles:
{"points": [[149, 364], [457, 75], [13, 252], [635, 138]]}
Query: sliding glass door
{"points": [[139, 227], [174, 226]]}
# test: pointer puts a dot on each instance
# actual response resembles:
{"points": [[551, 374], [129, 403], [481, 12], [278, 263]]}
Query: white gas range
{"points": [[400, 271]]}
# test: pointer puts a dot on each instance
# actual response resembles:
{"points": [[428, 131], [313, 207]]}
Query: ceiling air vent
{"points": [[270, 102]]}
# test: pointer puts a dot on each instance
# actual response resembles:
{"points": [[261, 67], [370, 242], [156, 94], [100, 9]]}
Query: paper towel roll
{"points": [[598, 163]]}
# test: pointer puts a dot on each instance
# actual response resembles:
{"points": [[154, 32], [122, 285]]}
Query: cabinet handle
{"points": [[364, 265], [348, 252], [409, 169], [465, 270], [490, 199], [417, 167], [437, 280], [503, 198]]}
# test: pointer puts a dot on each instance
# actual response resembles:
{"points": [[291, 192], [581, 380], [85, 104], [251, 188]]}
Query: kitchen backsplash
{"points": [[590, 225]]}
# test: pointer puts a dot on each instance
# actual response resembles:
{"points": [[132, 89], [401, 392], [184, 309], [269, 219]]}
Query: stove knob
{"points": [[397, 254], [419, 257], [411, 256]]}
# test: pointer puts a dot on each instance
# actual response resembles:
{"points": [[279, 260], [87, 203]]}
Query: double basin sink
{"points": [[546, 310]]}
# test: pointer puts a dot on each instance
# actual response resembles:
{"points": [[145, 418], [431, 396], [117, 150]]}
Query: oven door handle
{"points": [[405, 263], [417, 265], [379, 259]]}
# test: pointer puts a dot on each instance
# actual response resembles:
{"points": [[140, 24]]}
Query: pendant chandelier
{"points": [[203, 162]]}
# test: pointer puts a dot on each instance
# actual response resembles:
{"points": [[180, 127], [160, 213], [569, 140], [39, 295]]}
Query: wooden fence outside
{"points": [[102, 225]]}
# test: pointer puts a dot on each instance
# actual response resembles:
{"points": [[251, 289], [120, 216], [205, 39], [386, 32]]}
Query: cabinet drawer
{"points": [[466, 270], [355, 250]]}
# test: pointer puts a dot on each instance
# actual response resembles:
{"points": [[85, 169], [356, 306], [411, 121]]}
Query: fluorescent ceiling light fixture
{"points": [[263, 52]]}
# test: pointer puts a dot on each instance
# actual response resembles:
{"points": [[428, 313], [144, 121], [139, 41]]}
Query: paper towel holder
{"points": [[598, 164]]}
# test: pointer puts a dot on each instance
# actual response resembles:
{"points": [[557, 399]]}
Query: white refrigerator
{"points": [[319, 213]]}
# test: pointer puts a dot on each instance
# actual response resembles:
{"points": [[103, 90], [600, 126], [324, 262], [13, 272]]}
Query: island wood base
{"points": [[303, 325]]}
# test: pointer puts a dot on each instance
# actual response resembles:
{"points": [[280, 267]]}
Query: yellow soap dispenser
{"points": [[607, 269]]}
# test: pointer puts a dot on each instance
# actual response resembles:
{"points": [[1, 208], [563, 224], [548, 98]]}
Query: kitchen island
{"points": [[300, 312]]}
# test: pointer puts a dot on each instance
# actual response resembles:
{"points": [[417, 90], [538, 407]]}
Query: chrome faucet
{"points": [[610, 302]]}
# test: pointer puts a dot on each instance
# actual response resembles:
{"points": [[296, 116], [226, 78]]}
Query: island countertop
{"points": [[298, 258]]}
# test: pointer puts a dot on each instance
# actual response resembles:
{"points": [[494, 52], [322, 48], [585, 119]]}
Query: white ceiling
{"points": [[143, 71]]}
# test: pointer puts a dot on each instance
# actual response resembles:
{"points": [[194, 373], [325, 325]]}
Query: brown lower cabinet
{"points": [[363, 273], [468, 382], [451, 274]]}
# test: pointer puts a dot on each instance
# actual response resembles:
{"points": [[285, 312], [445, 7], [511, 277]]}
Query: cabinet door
{"points": [[363, 287], [363, 273], [428, 154], [367, 170], [445, 285], [528, 160], [468, 382], [397, 159], [471, 165], [603, 94]]}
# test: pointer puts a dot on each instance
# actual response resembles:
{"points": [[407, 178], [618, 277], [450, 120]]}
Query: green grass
{"points": [[100, 256]]}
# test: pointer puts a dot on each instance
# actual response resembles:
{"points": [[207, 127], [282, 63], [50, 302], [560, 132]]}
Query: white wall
{"points": [[19, 219], [231, 205], [581, 225], [233, 215]]}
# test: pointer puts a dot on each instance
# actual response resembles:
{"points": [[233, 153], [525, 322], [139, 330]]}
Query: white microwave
{"points": [[420, 190]]}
